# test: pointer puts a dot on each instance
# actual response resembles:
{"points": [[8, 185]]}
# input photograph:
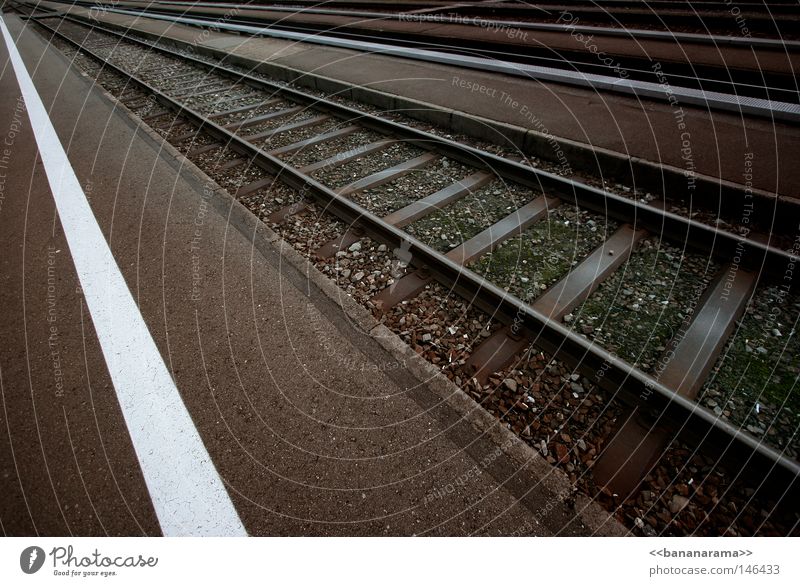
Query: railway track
{"points": [[703, 16], [488, 44], [471, 211]]}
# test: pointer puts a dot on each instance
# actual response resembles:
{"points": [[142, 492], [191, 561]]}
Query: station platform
{"points": [[317, 420], [598, 131]]}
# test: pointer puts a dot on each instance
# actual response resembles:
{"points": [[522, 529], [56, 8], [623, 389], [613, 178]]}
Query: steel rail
{"points": [[703, 85], [623, 381], [698, 77], [495, 23], [650, 90]]}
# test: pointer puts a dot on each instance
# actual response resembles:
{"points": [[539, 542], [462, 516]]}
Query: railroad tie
{"points": [[130, 93], [194, 83], [229, 99], [254, 186], [346, 156], [315, 140], [231, 164], [160, 69], [136, 102], [269, 134], [245, 108], [387, 175], [444, 197], [189, 92], [282, 215], [195, 132], [581, 281], [174, 122], [337, 243], [515, 223], [181, 76], [155, 116], [331, 247], [497, 351], [204, 149], [638, 445], [233, 126]]}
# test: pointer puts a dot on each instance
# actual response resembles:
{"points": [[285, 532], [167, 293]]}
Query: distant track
{"points": [[760, 93]]}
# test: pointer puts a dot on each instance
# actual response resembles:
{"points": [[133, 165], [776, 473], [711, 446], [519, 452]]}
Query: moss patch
{"points": [[641, 307], [528, 264]]}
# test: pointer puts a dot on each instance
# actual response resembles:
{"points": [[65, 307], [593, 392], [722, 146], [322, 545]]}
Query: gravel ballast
{"points": [[640, 308], [754, 384]]}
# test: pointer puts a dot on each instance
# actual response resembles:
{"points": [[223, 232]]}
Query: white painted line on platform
{"points": [[188, 494]]}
